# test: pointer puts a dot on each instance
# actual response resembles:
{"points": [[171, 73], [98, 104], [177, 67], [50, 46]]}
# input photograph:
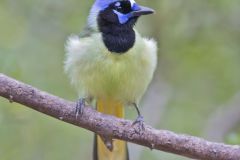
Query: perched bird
{"points": [[111, 63]]}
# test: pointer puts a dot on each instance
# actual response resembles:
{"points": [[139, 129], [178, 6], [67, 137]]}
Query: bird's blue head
{"points": [[116, 11], [115, 19]]}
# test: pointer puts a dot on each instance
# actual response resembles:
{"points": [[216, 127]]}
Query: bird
{"points": [[111, 64]]}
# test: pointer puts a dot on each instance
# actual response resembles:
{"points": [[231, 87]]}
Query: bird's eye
{"points": [[118, 6], [122, 7]]}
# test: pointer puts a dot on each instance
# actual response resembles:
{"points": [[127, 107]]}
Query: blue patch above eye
{"points": [[102, 4], [123, 18]]}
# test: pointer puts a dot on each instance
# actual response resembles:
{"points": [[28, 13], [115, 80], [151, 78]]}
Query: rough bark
{"points": [[113, 127]]}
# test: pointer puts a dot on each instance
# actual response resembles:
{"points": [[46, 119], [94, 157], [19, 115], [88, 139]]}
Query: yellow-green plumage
{"points": [[114, 79], [98, 73]]}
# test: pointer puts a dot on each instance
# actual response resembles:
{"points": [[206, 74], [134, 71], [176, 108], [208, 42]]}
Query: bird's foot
{"points": [[79, 107], [140, 123]]}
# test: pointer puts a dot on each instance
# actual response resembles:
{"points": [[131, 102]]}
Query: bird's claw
{"points": [[140, 122], [79, 107]]}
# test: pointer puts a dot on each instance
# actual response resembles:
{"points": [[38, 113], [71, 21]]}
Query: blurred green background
{"points": [[196, 89]]}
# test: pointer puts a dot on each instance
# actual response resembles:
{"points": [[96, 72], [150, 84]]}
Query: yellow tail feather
{"points": [[120, 147]]}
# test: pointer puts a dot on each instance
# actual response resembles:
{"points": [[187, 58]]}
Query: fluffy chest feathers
{"points": [[99, 73]]}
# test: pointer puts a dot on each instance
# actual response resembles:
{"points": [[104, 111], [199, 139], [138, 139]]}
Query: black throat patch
{"points": [[118, 38]]}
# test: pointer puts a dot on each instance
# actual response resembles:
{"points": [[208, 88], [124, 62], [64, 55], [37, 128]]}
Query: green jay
{"points": [[111, 63]]}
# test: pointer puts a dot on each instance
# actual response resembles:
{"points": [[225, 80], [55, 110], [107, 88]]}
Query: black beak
{"points": [[141, 10]]}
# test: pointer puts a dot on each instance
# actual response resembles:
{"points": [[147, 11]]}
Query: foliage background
{"points": [[195, 90]]}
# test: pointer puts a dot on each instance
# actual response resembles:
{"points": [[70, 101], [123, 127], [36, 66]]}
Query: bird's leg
{"points": [[139, 121], [79, 107]]}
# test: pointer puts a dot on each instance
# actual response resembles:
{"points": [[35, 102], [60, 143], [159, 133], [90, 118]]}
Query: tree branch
{"points": [[116, 128]]}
